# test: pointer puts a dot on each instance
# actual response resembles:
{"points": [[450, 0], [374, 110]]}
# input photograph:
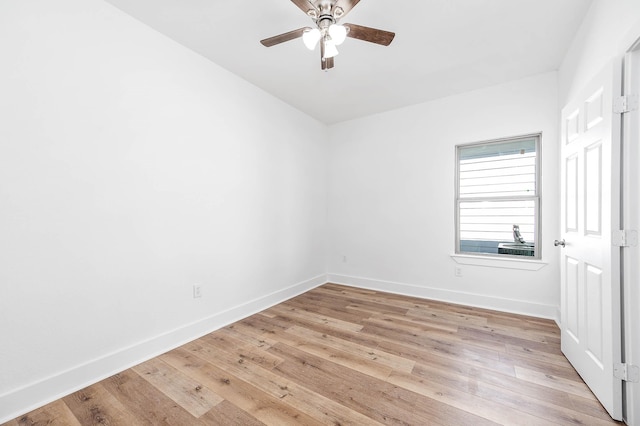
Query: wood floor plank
{"points": [[299, 397], [468, 402], [505, 381], [55, 414], [314, 299], [315, 317], [445, 316], [355, 362], [359, 360], [433, 324], [94, 405], [587, 406], [574, 387], [315, 306], [391, 361], [369, 308], [507, 340], [367, 303], [263, 326], [372, 397], [145, 401], [339, 355], [258, 341], [425, 354], [283, 323], [511, 402], [258, 355], [386, 301], [537, 354], [259, 404], [420, 329], [527, 323], [565, 371], [226, 413], [183, 390], [421, 345], [548, 335]]}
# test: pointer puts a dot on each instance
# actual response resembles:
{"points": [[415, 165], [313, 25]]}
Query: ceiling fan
{"points": [[328, 32]]}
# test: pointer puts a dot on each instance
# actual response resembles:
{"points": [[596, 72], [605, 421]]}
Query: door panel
{"points": [[594, 314], [572, 194], [593, 189], [593, 109], [590, 305], [570, 317], [572, 127]]}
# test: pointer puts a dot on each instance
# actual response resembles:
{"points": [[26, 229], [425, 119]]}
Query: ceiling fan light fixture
{"points": [[338, 33], [330, 49], [327, 31], [311, 37]]}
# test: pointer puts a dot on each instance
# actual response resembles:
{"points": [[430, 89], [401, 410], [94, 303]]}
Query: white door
{"points": [[590, 263]]}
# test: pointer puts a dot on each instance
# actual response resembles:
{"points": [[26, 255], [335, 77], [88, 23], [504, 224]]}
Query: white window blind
{"points": [[494, 220]]}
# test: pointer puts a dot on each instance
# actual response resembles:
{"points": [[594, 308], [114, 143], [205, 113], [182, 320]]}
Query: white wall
{"points": [[130, 169], [603, 34], [391, 197]]}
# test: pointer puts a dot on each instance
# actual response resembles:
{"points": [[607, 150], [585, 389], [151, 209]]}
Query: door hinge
{"points": [[625, 238], [626, 372], [625, 103]]}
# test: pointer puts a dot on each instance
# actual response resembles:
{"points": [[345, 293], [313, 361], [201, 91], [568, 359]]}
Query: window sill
{"points": [[498, 262]]}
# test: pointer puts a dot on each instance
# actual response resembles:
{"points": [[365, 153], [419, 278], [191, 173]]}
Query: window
{"points": [[498, 197]]}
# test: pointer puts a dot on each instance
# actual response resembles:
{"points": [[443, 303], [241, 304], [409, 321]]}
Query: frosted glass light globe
{"points": [[338, 33], [329, 49], [311, 38]]}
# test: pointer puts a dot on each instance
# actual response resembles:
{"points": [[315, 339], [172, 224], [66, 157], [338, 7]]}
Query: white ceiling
{"points": [[442, 47]]}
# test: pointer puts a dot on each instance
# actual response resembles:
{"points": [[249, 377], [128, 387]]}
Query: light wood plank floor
{"points": [[337, 356]]}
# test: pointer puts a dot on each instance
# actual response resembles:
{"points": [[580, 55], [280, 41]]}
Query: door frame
{"points": [[630, 140]]}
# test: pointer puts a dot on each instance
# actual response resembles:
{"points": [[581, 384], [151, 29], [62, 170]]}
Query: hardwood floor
{"points": [[338, 355]]}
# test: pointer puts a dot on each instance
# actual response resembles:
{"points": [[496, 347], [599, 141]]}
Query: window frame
{"points": [[537, 198]]}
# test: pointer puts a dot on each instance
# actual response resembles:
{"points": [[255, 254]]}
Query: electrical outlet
{"points": [[197, 291], [458, 271]]}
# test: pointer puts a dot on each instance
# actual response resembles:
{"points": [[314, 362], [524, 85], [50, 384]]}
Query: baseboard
{"points": [[557, 318], [462, 298], [27, 398]]}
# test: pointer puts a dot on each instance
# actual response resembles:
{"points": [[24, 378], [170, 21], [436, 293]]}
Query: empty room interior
{"points": [[319, 212]]}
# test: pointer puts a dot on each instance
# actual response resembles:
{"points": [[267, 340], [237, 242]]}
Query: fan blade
{"points": [[345, 5], [305, 5], [370, 34], [329, 62], [325, 63], [272, 41]]}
